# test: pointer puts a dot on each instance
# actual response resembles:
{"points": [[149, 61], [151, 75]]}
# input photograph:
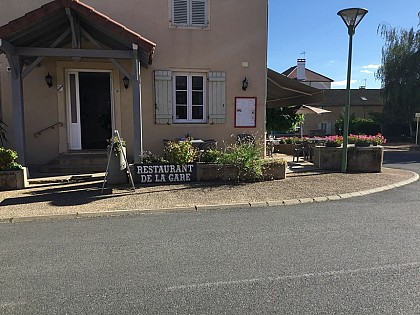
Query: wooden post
{"points": [[18, 108], [137, 114]]}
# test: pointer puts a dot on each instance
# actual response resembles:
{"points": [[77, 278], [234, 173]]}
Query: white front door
{"points": [[73, 111]]}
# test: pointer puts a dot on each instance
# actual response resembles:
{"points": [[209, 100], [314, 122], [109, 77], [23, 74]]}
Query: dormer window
{"points": [[192, 13]]}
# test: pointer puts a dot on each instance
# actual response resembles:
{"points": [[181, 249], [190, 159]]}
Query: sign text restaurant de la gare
{"points": [[164, 173]]}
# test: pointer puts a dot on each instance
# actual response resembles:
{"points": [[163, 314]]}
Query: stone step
{"points": [[77, 163]]}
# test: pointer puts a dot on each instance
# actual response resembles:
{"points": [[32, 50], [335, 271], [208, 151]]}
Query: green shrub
{"points": [[181, 152], [210, 156], [149, 157], [246, 157], [358, 125], [8, 159]]}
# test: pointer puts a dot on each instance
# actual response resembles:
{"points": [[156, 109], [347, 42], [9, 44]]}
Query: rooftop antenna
{"points": [[304, 54], [365, 82]]}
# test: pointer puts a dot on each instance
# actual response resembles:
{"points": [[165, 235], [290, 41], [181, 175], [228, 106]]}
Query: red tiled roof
{"points": [[44, 19]]}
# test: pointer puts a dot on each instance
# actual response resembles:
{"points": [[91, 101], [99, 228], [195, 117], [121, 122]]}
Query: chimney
{"points": [[300, 76]]}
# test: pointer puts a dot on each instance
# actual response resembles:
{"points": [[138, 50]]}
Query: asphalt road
{"points": [[354, 256]]}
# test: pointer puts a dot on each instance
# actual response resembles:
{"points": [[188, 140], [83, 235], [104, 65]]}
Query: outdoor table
{"points": [[195, 142]]}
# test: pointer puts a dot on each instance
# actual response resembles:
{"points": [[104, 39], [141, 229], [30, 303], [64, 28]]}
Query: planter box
{"points": [[217, 172], [288, 149], [17, 179], [199, 172], [272, 171], [359, 159]]}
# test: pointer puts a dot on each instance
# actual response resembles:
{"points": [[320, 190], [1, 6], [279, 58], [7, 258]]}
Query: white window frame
{"points": [[189, 14], [189, 119]]}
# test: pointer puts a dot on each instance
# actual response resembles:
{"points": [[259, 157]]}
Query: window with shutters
{"points": [[190, 13], [186, 97], [189, 98]]}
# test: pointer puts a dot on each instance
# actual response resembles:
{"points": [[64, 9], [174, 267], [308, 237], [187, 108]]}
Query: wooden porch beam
{"points": [[75, 35], [99, 46], [68, 52], [137, 112], [11, 53], [38, 60], [18, 112]]}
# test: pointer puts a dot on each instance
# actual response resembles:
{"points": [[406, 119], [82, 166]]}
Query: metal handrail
{"points": [[37, 134]]}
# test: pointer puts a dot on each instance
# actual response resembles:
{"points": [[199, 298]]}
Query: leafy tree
{"points": [[400, 74], [283, 119], [358, 125]]}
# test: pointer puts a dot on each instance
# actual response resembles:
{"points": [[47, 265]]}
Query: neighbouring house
{"points": [[363, 102], [72, 71], [307, 76]]}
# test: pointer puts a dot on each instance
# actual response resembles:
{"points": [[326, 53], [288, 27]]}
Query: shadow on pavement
{"points": [[401, 157], [64, 195]]}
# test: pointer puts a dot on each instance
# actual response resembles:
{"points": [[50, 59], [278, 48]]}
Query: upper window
{"points": [[189, 12], [189, 96]]}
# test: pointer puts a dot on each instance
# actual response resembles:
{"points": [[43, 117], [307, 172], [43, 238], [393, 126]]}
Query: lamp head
{"points": [[48, 80], [245, 84], [352, 17], [126, 81]]}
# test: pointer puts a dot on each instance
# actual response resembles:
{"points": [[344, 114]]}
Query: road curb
{"points": [[257, 204]]}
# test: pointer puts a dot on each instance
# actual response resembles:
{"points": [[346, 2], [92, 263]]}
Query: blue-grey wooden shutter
{"points": [[163, 96], [198, 12], [217, 99], [180, 12]]}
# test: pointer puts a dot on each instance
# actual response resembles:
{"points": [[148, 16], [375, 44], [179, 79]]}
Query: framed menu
{"points": [[245, 112]]}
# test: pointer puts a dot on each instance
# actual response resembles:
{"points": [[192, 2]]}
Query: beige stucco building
{"points": [[185, 61], [363, 103]]}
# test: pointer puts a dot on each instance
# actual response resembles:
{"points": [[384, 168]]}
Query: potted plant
{"points": [[333, 141], [361, 140], [12, 174], [117, 173], [378, 139]]}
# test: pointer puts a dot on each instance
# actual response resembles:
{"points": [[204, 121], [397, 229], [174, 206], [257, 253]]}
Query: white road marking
{"points": [[292, 277]]}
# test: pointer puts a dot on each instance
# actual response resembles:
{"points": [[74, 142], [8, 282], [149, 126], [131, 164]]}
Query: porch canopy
{"points": [[285, 92], [59, 29]]}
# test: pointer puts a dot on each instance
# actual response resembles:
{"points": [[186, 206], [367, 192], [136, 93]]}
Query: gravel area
{"points": [[85, 197]]}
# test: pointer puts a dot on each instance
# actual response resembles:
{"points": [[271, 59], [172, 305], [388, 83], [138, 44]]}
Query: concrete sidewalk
{"points": [[80, 195]]}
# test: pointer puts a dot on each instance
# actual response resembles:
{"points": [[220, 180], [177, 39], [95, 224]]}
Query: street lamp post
{"points": [[351, 18]]}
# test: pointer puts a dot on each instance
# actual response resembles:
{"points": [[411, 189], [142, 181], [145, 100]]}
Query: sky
{"points": [[311, 29]]}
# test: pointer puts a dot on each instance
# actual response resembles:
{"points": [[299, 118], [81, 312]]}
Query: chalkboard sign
{"points": [[245, 112]]}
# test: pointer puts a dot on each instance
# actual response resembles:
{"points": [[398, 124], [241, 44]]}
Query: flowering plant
{"points": [[291, 140], [378, 139], [333, 141], [115, 144], [360, 139]]}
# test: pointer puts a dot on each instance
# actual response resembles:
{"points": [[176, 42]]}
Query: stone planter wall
{"points": [[216, 172], [284, 148], [359, 159], [272, 171], [17, 179]]}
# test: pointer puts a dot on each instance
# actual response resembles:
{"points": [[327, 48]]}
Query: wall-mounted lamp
{"points": [[245, 84], [48, 80], [126, 81]]}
